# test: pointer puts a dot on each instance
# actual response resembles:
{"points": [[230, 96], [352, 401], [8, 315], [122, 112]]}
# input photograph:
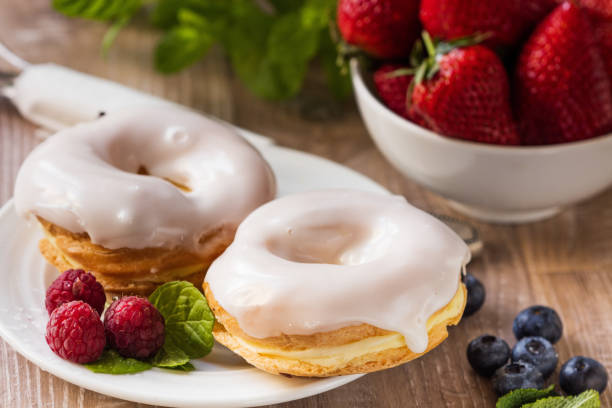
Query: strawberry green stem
{"points": [[425, 65], [444, 47], [399, 72], [430, 46]]}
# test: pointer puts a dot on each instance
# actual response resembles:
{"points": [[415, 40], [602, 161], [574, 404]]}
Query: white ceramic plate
{"points": [[221, 379]]}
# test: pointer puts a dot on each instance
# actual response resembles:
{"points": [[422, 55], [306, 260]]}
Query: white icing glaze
{"points": [[85, 179], [319, 261]]}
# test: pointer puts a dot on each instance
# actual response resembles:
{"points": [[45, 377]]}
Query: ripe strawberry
{"points": [[382, 28], [562, 89], [392, 89], [464, 94], [603, 33], [508, 20], [598, 8]]}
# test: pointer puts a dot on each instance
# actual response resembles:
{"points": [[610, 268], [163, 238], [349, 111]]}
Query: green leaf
{"points": [[186, 43], [165, 13], [429, 44], [185, 367], [588, 399], [119, 12], [271, 55], [181, 47], [188, 320], [290, 47], [417, 54], [338, 80], [283, 6], [113, 31], [419, 75], [112, 362], [170, 355], [433, 69], [517, 398], [270, 45], [97, 9], [317, 14], [246, 45]]}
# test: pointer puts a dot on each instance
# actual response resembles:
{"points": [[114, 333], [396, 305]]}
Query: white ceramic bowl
{"points": [[489, 182]]}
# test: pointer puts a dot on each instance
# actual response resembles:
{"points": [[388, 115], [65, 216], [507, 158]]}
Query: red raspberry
{"points": [[134, 327], [76, 333], [75, 284]]}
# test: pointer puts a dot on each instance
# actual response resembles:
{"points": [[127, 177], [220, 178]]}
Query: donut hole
{"points": [[125, 159], [335, 244], [156, 159], [143, 171]]}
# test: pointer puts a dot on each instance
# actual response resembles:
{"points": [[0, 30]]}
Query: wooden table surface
{"points": [[564, 262]]}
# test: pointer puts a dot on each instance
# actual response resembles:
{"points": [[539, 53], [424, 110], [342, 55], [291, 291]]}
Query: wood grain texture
{"points": [[565, 262]]}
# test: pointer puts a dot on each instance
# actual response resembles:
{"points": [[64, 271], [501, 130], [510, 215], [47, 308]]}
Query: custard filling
{"points": [[340, 355]]}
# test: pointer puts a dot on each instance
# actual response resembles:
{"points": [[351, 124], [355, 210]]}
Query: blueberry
{"points": [[537, 351], [538, 321], [579, 374], [517, 375], [487, 353], [475, 295]]}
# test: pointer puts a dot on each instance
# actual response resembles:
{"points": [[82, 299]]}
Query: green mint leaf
{"points": [[170, 355], [270, 43], [317, 14], [112, 33], [181, 47], [338, 79], [186, 43], [165, 13], [283, 6], [120, 12], [112, 362], [517, 398], [588, 399], [291, 45], [185, 367], [245, 41], [188, 321], [97, 9], [271, 54]]}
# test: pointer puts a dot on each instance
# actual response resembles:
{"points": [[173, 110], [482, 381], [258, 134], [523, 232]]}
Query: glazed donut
{"points": [[143, 196], [337, 282]]}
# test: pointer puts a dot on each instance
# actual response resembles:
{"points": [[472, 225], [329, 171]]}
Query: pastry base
{"points": [[350, 350], [127, 271]]}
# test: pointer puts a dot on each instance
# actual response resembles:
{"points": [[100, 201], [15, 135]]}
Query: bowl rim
{"points": [[359, 83]]}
